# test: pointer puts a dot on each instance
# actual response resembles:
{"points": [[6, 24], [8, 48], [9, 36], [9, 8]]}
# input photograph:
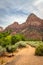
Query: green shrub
{"points": [[39, 50], [6, 33], [2, 51], [1, 35], [17, 38], [14, 39], [5, 41], [21, 44], [8, 40], [11, 48], [22, 37], [34, 43], [1, 42]]}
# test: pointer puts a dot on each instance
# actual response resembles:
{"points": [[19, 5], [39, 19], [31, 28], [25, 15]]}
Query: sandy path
{"points": [[26, 57]]}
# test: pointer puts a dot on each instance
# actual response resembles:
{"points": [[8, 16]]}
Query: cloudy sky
{"points": [[18, 10]]}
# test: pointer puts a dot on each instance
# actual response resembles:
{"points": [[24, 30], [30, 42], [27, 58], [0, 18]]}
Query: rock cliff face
{"points": [[32, 28], [13, 27]]}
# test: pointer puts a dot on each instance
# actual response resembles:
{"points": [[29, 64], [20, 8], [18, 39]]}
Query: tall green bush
{"points": [[11, 48], [17, 38], [39, 50], [2, 51]]}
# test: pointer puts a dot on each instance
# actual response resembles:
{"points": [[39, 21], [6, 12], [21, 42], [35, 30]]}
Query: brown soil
{"points": [[26, 57]]}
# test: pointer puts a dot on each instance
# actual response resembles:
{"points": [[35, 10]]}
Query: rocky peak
{"points": [[15, 23], [33, 20], [32, 15]]}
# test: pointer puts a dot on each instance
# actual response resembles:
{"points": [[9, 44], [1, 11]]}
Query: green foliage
{"points": [[8, 40], [39, 50], [1, 35], [33, 39], [11, 43], [1, 42], [22, 37], [14, 39], [21, 44], [17, 38], [11, 48], [5, 41], [2, 51], [34, 43], [6, 33]]}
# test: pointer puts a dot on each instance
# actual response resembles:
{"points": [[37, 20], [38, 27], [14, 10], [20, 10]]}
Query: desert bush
{"points": [[2, 51], [39, 50], [11, 48], [34, 43], [21, 44]]}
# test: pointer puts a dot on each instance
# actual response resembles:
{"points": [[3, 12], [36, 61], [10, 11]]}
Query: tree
{"points": [[1, 35], [16, 38]]}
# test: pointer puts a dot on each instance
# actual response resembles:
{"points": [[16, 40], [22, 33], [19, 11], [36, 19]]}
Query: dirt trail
{"points": [[26, 57]]}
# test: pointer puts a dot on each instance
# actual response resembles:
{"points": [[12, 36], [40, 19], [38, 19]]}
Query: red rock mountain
{"points": [[13, 27], [32, 28]]}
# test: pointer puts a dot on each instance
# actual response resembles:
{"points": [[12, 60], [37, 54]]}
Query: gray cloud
{"points": [[18, 10]]}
